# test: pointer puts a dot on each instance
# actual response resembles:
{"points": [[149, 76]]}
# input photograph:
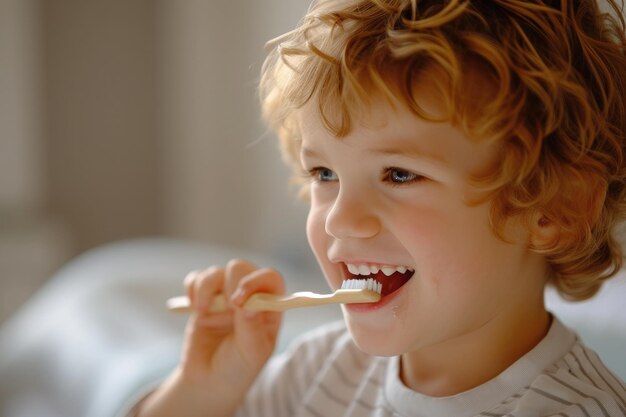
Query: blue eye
{"points": [[322, 174], [398, 176]]}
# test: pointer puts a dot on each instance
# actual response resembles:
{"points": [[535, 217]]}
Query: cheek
{"points": [[316, 230], [460, 259], [448, 249], [319, 243]]}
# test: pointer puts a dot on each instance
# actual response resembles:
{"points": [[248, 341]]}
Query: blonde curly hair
{"points": [[558, 110]]}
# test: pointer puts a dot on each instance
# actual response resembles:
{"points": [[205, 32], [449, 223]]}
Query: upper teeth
{"points": [[364, 269]]}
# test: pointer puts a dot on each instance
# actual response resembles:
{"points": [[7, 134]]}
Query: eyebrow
{"points": [[406, 151], [412, 152]]}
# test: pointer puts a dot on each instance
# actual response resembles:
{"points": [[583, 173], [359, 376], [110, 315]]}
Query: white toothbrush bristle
{"points": [[362, 284]]}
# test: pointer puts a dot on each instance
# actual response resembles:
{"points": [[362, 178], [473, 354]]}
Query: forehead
{"points": [[388, 128]]}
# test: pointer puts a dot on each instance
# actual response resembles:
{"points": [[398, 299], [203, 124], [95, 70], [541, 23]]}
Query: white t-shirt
{"points": [[324, 374]]}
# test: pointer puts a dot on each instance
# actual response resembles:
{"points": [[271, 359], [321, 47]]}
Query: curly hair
{"points": [[557, 110]]}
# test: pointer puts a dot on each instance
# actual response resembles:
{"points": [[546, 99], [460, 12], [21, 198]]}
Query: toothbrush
{"points": [[351, 291]]}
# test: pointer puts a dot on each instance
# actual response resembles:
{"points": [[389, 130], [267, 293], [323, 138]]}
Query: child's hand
{"points": [[235, 344], [223, 352]]}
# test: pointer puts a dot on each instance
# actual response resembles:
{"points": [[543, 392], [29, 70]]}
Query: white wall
{"points": [[20, 116], [130, 118], [98, 65], [32, 243], [222, 178]]}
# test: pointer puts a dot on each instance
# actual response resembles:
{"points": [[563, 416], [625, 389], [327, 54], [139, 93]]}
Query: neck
{"points": [[469, 360]]}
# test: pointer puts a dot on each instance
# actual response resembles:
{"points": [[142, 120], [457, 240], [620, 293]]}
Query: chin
{"points": [[375, 342]]}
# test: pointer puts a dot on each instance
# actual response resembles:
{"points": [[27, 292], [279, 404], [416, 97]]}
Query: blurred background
{"points": [[121, 119]]}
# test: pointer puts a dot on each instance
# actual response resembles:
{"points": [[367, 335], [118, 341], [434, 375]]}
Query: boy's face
{"points": [[393, 194]]}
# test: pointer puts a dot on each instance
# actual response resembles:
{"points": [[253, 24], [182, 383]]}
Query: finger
{"points": [[236, 269], [205, 285], [265, 280], [217, 321], [188, 284], [258, 329]]}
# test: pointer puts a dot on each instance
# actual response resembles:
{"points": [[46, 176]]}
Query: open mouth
{"points": [[391, 277]]}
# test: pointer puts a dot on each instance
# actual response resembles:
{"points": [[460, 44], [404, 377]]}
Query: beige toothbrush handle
{"points": [[182, 304], [257, 302], [273, 302]]}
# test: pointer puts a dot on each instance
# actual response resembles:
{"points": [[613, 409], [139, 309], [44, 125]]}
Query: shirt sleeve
{"points": [[284, 381]]}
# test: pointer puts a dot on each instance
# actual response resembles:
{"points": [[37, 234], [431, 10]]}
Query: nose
{"points": [[352, 217]]}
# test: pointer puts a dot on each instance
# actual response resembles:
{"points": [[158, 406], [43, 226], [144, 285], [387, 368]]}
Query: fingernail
{"points": [[237, 297]]}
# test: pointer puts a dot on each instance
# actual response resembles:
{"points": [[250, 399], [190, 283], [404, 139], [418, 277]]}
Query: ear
{"points": [[544, 233]]}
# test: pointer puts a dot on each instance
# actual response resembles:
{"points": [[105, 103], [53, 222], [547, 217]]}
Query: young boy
{"points": [[465, 154]]}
